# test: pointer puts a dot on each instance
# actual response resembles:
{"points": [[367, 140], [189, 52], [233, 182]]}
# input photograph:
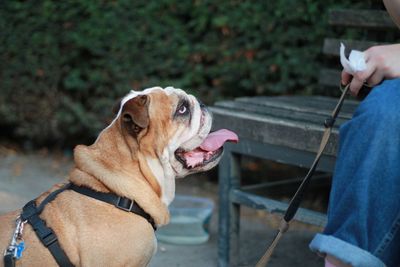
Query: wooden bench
{"points": [[285, 129]]}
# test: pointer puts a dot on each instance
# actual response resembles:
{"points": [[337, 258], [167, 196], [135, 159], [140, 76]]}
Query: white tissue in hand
{"points": [[356, 61]]}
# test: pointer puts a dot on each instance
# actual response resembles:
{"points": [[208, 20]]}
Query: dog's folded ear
{"points": [[135, 115]]}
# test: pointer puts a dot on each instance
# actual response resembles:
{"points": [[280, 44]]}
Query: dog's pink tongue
{"points": [[217, 139]]}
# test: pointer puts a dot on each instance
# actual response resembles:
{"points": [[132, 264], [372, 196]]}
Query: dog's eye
{"points": [[182, 110]]}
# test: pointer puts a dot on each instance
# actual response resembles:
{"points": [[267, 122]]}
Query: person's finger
{"points": [[346, 77], [376, 78], [360, 77], [355, 86]]}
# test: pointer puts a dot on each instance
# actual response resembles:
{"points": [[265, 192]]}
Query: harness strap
{"points": [[45, 234], [9, 260], [51, 197], [122, 203]]}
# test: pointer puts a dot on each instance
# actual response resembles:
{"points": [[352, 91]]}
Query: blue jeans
{"points": [[363, 227]]}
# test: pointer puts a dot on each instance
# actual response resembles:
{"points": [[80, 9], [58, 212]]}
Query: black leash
{"points": [[298, 196], [30, 213]]}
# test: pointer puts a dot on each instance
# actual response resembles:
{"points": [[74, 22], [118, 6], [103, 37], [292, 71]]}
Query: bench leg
{"points": [[228, 235]]}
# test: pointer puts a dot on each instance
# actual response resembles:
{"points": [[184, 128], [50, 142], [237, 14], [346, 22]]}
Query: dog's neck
{"points": [[109, 166], [161, 168]]}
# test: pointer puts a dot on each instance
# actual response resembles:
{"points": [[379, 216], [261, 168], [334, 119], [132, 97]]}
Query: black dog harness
{"points": [[30, 213]]}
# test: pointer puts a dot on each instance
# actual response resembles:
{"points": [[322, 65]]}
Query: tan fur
{"points": [[84, 226]]}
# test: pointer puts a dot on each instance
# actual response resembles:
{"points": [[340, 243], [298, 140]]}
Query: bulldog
{"points": [[157, 135]]}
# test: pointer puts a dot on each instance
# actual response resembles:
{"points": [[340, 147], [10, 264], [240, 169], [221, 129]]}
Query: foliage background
{"points": [[64, 63]]}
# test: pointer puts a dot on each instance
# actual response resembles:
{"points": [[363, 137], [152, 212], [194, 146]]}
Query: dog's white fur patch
{"points": [[165, 177]]}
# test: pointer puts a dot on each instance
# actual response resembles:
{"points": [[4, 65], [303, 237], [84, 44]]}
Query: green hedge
{"points": [[64, 63]]}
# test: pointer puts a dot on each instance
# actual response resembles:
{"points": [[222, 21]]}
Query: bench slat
{"points": [[274, 112], [283, 187], [378, 19], [271, 130], [291, 121], [303, 104], [277, 207], [332, 46]]}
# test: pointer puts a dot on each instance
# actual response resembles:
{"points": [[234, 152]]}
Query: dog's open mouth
{"points": [[208, 151]]}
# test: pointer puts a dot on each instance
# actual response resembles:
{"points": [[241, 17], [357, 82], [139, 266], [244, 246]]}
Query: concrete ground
{"points": [[24, 176]]}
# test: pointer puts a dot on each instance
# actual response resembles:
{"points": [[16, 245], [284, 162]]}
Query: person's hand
{"points": [[383, 62]]}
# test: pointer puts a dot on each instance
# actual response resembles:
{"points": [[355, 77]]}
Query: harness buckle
{"points": [[125, 204]]}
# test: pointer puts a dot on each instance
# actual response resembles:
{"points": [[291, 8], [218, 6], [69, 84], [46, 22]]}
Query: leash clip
{"points": [[17, 244], [20, 228], [10, 250]]}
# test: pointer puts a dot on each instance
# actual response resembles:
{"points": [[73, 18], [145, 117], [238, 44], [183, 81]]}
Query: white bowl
{"points": [[190, 217]]}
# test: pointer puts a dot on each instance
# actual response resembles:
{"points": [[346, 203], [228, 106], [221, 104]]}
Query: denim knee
{"points": [[381, 106]]}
